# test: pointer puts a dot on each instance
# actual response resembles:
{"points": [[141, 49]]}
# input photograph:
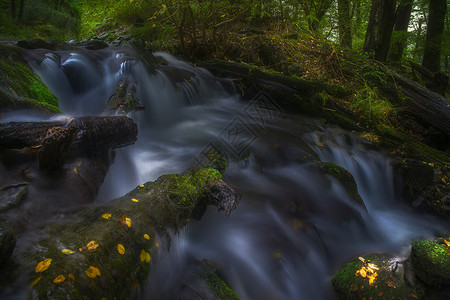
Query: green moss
{"points": [[387, 284], [156, 206], [344, 177], [21, 82], [431, 262], [219, 287]]}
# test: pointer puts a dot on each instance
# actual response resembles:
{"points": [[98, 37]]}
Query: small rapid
{"points": [[294, 226]]}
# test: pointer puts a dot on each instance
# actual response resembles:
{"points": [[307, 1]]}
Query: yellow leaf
{"points": [[43, 265], [106, 216], [373, 267], [92, 272], [59, 279], [141, 185], [71, 276], [134, 200], [447, 243], [76, 171], [146, 236], [121, 249], [145, 256], [125, 221], [35, 281], [157, 244], [277, 255], [67, 251], [92, 245], [362, 259]]}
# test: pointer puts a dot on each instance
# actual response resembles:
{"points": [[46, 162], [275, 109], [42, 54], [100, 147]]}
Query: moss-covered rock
{"points": [[353, 281], [220, 289], [431, 262], [344, 177], [20, 87], [105, 251]]}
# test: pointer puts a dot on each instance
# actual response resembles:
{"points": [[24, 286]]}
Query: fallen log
{"points": [[93, 134], [424, 104]]}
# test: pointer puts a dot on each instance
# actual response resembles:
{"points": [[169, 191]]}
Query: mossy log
{"points": [[291, 93], [104, 251], [424, 104]]}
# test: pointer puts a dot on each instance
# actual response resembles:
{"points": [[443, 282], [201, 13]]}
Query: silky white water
{"points": [[294, 225]]}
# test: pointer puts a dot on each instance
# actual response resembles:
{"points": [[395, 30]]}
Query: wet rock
{"points": [[36, 44], [124, 100], [416, 175], [431, 262], [353, 281], [344, 177], [7, 241], [11, 197], [93, 44], [93, 234]]}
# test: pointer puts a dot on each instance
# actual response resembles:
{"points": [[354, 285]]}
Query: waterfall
{"points": [[294, 226]]}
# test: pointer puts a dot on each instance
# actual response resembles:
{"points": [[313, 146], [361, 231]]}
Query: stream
{"points": [[294, 227]]}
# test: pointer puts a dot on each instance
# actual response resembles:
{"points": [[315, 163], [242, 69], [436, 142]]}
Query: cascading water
{"points": [[294, 225]]}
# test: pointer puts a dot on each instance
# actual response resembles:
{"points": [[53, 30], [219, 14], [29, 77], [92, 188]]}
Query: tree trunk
{"points": [[13, 9], [400, 34], [21, 6], [435, 29], [344, 24], [379, 29]]}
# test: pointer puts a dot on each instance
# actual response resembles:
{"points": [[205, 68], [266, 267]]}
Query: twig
{"points": [[14, 186]]}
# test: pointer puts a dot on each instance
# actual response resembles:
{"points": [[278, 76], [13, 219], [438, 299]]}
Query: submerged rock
{"points": [[7, 241], [344, 177], [11, 197]]}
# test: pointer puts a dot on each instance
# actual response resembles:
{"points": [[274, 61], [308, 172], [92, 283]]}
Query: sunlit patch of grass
{"points": [[373, 107]]}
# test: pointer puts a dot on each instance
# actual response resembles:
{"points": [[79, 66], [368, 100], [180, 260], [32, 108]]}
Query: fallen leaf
{"points": [[92, 245], [120, 249], [141, 185], [373, 267], [106, 216], [362, 259], [145, 256], [76, 171], [92, 272], [125, 221], [43, 265], [35, 281], [59, 279], [447, 243], [67, 251], [146, 236], [134, 200], [71, 276]]}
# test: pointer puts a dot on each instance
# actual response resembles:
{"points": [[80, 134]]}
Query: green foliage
{"points": [[373, 107], [41, 19]]}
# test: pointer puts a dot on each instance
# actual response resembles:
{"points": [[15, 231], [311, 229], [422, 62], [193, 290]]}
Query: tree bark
{"points": [[400, 33], [379, 29], [94, 134], [21, 7], [435, 29], [13, 9], [344, 24], [426, 105]]}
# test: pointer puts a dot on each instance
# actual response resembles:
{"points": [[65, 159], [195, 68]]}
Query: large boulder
{"points": [[431, 262]]}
